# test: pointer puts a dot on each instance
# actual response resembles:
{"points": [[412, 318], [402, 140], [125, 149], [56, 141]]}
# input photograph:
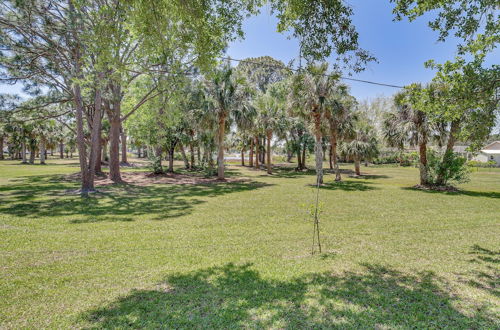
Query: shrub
{"points": [[451, 167], [476, 163]]}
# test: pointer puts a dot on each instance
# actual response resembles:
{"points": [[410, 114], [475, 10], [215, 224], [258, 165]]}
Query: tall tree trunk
{"points": [[422, 146], [191, 152], [171, 159], [1, 147], [318, 150], [32, 153], [448, 153], [99, 152], [257, 151], [42, 150], [263, 153], [114, 115], [198, 152], [23, 153], [61, 150], [243, 156], [184, 156], [330, 162], [268, 150], [105, 156], [299, 156], [303, 165], [357, 165], [158, 168], [250, 154], [333, 143], [220, 153], [123, 138], [52, 152]]}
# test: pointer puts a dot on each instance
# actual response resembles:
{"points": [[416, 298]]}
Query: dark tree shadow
{"points": [[487, 275], [348, 186], [48, 196], [235, 296], [489, 194], [371, 176]]}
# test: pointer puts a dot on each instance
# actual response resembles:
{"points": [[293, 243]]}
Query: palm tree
{"points": [[223, 87], [363, 145], [270, 108], [310, 91], [409, 125], [340, 121]]}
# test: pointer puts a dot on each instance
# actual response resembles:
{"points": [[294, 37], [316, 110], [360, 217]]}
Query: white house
{"points": [[490, 152]]}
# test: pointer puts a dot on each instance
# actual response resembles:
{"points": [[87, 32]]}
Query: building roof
{"points": [[492, 148]]}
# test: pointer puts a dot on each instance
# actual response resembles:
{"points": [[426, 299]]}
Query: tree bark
{"points": [[318, 150], [357, 165], [61, 150], [184, 156], [250, 155], [171, 159], [220, 153], [257, 151], [268, 151], [449, 151], [303, 165], [299, 156], [263, 153], [32, 153], [1, 148], [123, 138], [422, 146], [23, 153], [191, 152], [243, 156], [42, 150]]}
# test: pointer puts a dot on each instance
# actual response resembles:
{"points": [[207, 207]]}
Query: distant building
{"points": [[491, 152]]}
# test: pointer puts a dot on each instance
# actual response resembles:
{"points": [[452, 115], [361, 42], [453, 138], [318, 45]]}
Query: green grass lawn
{"points": [[229, 255]]}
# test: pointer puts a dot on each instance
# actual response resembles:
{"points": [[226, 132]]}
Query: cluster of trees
{"points": [[99, 70], [258, 103], [93, 57]]}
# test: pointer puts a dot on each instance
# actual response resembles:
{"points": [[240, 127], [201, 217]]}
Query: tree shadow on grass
{"points": [[234, 296], [371, 176], [489, 194], [487, 275], [48, 196], [348, 185]]}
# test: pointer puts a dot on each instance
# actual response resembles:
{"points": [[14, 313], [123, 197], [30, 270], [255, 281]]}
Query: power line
{"points": [[297, 70]]}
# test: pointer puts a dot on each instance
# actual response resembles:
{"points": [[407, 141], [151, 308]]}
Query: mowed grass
{"points": [[229, 255]]}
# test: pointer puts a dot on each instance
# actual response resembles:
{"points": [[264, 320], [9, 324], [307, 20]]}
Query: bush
{"points": [[451, 167], [156, 164], [476, 163]]}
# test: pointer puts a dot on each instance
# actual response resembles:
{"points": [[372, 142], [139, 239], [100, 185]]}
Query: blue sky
{"points": [[400, 47]]}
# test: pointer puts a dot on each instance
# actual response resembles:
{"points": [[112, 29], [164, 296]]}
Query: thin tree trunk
{"points": [[423, 160], [220, 154], [123, 138], [105, 157], [243, 156], [191, 152], [299, 157], [318, 150], [198, 152], [158, 167], [114, 148], [184, 156], [171, 159], [257, 151], [52, 152], [268, 150], [303, 165], [42, 150], [263, 153], [448, 152], [32, 153], [250, 155], [1, 148], [357, 165], [330, 162], [61, 150], [333, 142], [23, 153], [99, 152]]}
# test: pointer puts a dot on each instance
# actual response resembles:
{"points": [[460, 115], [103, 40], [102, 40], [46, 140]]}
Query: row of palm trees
{"points": [[261, 102]]}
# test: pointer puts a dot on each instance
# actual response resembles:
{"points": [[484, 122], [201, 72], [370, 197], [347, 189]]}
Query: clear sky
{"points": [[400, 47]]}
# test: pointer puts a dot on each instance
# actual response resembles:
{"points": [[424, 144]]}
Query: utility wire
{"points": [[297, 70]]}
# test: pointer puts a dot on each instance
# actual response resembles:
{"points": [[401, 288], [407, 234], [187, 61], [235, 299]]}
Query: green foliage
{"points": [[476, 163], [451, 168]]}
